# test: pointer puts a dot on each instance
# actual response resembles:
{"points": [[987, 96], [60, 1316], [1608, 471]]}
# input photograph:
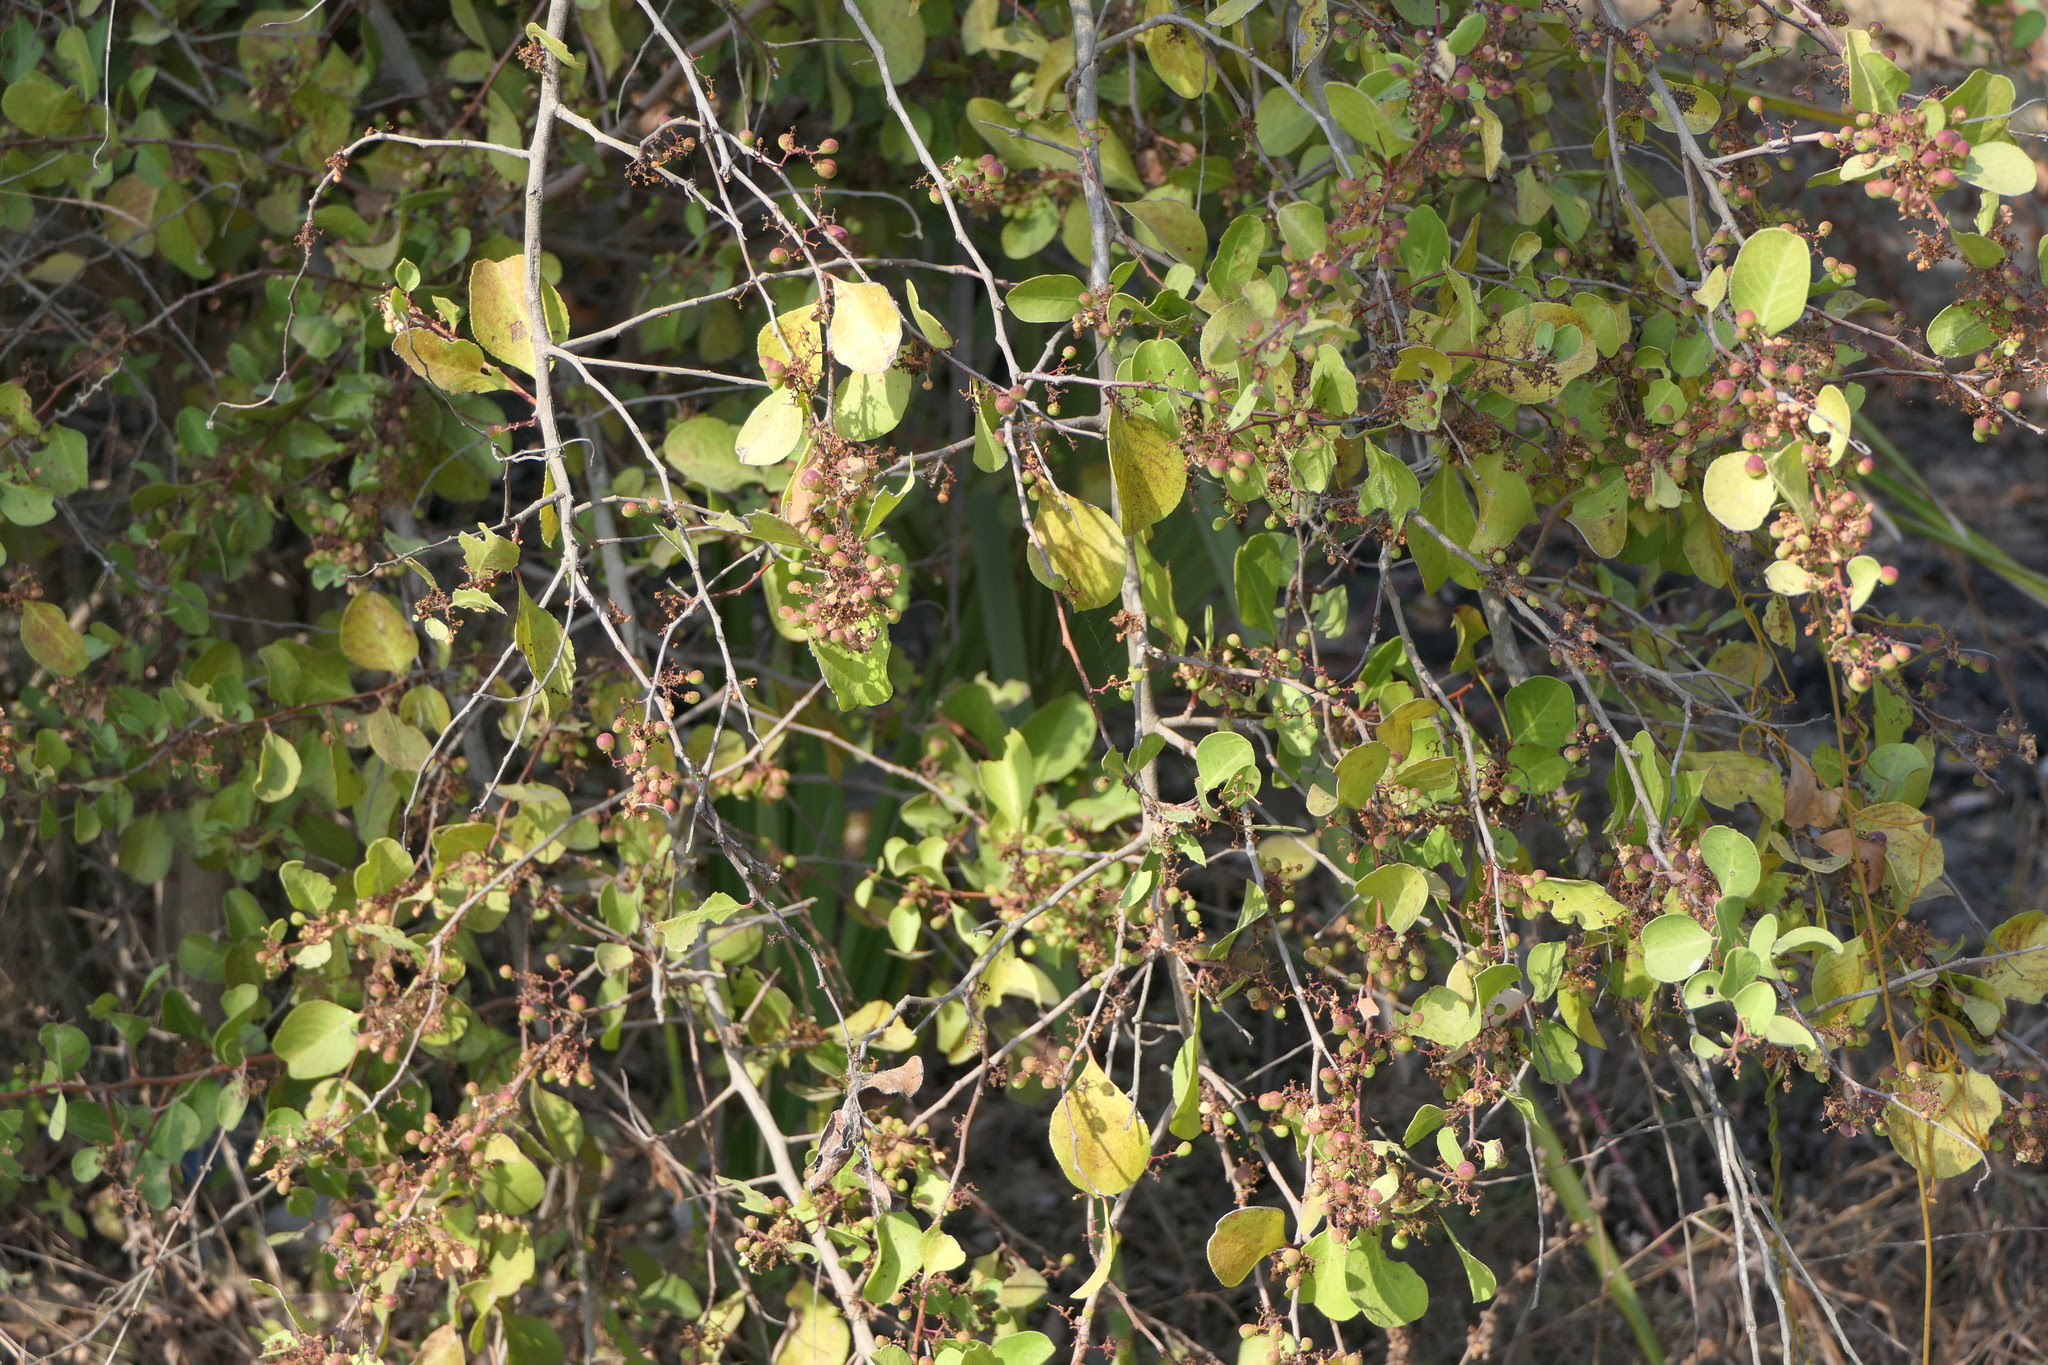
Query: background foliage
{"points": [[861, 680]]}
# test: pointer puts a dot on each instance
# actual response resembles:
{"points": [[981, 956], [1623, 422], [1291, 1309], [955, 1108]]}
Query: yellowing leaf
{"points": [[866, 330], [1150, 475], [374, 634], [1098, 1137], [1738, 499], [792, 341], [451, 366], [1243, 1238], [774, 430], [2023, 977], [1956, 1128], [1696, 105], [1177, 55], [1086, 549], [50, 640], [497, 311]]}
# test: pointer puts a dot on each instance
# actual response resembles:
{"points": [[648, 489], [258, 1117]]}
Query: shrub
{"points": [[641, 630]]}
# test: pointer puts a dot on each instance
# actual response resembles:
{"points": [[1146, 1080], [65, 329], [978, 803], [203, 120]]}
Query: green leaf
{"points": [[1980, 250], [1875, 84], [1953, 1132], [857, 678], [898, 1256], [1061, 734], [548, 652], [1443, 1016], [1359, 773], [1264, 563], [1390, 1294], [1427, 247], [927, 324], [146, 850], [1282, 125], [1541, 711], [277, 771], [66, 1047], [1098, 1137], [1478, 1276], [1733, 859], [1178, 56], [1696, 104], [451, 365], [776, 429], [1242, 1238], [1576, 902], [1222, 756], [1007, 781], [318, 1038], [558, 49], [1326, 1280], [39, 106], [561, 1123], [1186, 1123], [1770, 278], [375, 636], [1023, 1348], [1046, 298], [51, 641], [1999, 168], [867, 407], [1172, 224], [2024, 976], [1401, 891], [1960, 329], [1737, 498], [1674, 946], [1151, 477], [385, 867], [25, 505], [512, 1183], [1086, 548]]}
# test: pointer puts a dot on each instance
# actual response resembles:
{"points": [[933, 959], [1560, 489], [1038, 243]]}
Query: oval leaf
{"points": [[1086, 549], [1402, 892], [773, 430], [1047, 298], [374, 634], [318, 1038], [1243, 1238], [1733, 859], [1150, 475], [50, 640], [1770, 278], [1738, 499], [1674, 946], [1098, 1137], [277, 772], [866, 330]]}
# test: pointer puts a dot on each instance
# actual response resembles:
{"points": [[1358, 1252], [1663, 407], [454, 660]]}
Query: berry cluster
{"points": [[1899, 159], [975, 182], [632, 747], [845, 590]]}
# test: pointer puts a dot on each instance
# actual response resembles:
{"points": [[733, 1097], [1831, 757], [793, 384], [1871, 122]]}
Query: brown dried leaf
{"points": [[1806, 804], [1869, 853], [898, 1082], [841, 1139]]}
